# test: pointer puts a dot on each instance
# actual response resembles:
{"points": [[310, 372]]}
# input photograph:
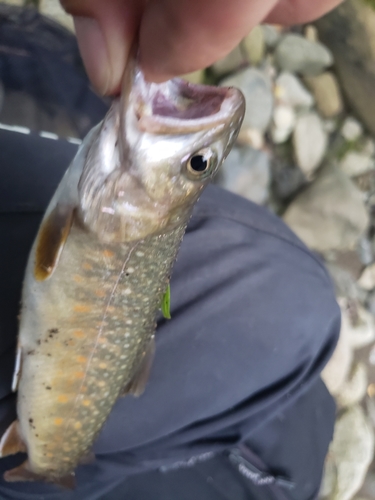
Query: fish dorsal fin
{"points": [[137, 384], [17, 369], [51, 239], [24, 473], [12, 442]]}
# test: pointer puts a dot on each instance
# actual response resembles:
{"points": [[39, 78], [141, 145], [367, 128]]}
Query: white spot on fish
{"points": [[128, 321], [128, 291], [139, 254]]}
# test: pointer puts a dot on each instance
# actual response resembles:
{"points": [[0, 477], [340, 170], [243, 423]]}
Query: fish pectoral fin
{"points": [[24, 473], [138, 383], [17, 369], [12, 442], [51, 239]]}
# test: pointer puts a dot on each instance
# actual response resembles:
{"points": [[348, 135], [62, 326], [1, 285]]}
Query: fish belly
{"points": [[83, 334]]}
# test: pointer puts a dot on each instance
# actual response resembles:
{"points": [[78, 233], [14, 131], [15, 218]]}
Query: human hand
{"points": [[175, 36]]}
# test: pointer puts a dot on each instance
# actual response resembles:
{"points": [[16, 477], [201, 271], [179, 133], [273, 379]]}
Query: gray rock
{"points": [[337, 370], [287, 177], [289, 90], [253, 45], [356, 163], [369, 146], [361, 332], [364, 251], [345, 284], [246, 172], [326, 91], [230, 63], [284, 120], [257, 89], [349, 32], [354, 389], [367, 279], [310, 142], [295, 53], [195, 76], [330, 213], [250, 137], [353, 450], [351, 129], [311, 33], [53, 9], [271, 35]]}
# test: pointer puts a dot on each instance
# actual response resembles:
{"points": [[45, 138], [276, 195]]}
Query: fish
{"points": [[101, 264]]}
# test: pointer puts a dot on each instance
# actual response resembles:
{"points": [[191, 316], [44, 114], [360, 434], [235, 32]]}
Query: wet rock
{"points": [[355, 163], [330, 213], [284, 120], [253, 45], [271, 35], [310, 142], [289, 90], [326, 91], [354, 389], [247, 172], [295, 53], [349, 32], [351, 129], [230, 63], [257, 89], [352, 449]]}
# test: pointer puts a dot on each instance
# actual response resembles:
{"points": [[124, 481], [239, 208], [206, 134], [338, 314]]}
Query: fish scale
{"points": [[101, 263], [79, 382]]}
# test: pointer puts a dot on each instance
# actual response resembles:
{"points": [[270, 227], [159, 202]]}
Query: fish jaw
{"points": [[136, 180]]}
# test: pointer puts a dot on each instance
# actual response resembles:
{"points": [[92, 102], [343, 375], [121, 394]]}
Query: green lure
{"points": [[166, 303]]}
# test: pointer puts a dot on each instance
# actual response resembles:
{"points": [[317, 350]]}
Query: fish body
{"points": [[101, 263]]}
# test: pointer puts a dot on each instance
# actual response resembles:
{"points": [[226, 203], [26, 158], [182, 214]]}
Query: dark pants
{"points": [[236, 373]]}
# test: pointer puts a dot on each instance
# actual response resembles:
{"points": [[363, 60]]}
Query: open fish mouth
{"points": [[181, 107]]}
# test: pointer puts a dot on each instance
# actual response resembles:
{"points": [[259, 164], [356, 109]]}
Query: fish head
{"points": [[156, 150]]}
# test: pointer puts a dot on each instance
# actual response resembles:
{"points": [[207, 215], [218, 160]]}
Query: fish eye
{"points": [[200, 163]]}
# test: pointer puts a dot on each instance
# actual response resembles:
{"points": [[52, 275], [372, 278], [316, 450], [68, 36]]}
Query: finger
{"points": [[300, 11], [178, 37], [105, 32]]}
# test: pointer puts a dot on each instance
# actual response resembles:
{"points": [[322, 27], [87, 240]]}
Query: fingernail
{"points": [[93, 49]]}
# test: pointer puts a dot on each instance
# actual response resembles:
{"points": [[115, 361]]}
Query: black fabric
{"points": [[254, 320], [40, 58]]}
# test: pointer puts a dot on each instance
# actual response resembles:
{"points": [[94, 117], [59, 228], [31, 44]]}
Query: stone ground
{"points": [[307, 152]]}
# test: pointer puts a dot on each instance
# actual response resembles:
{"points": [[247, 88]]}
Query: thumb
{"points": [[105, 32]]}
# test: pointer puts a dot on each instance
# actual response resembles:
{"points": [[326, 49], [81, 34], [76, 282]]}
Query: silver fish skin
{"points": [[101, 263]]}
